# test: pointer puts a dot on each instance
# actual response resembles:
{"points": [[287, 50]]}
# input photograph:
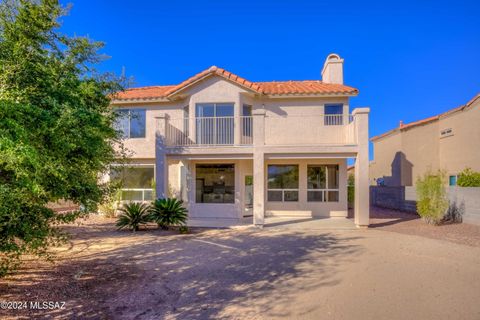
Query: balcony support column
{"points": [[362, 189], [161, 165], [258, 168], [237, 122]]}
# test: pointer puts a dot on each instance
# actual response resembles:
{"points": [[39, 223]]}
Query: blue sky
{"points": [[409, 59]]}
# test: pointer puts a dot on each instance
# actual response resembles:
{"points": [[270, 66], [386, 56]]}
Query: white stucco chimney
{"points": [[332, 71]]}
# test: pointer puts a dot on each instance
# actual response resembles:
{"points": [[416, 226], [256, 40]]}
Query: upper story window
{"points": [[446, 133], [131, 122], [204, 110], [333, 114]]}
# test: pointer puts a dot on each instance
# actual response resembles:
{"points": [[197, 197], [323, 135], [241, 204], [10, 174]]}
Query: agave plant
{"points": [[133, 215], [169, 212]]}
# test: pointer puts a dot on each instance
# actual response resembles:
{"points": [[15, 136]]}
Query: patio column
{"points": [[161, 165], [258, 168], [362, 188]]}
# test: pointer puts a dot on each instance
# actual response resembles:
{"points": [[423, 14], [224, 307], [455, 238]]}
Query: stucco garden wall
{"points": [[404, 198]]}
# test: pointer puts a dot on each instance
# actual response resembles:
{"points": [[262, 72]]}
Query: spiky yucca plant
{"points": [[133, 215], [169, 212]]}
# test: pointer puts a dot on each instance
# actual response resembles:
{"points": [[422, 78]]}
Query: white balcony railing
{"points": [[279, 130], [211, 131]]}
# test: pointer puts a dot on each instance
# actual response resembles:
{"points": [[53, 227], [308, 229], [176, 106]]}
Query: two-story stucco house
{"points": [[236, 150]]}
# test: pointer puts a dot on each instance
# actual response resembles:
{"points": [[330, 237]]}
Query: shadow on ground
{"points": [[208, 275]]}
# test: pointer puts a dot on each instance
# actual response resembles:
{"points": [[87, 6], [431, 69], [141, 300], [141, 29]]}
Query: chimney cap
{"points": [[400, 123], [333, 56]]}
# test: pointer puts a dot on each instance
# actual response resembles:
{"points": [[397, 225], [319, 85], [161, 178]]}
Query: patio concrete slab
{"points": [[306, 223]]}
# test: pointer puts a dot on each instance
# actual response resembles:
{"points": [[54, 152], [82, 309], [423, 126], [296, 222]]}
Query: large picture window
{"points": [[215, 183], [282, 183], [322, 183], [131, 122], [136, 182]]}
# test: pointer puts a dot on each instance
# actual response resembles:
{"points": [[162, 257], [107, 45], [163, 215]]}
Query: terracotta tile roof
{"points": [[143, 93], [219, 72], [304, 87], [270, 88], [410, 125]]}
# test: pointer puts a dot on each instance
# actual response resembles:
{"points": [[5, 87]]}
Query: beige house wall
{"points": [[422, 147], [462, 149], [384, 152]]}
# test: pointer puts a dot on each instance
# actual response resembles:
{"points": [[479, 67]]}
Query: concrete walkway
{"points": [[284, 222]]}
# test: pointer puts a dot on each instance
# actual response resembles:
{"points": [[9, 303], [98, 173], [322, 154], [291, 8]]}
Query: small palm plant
{"points": [[169, 212], [133, 215]]}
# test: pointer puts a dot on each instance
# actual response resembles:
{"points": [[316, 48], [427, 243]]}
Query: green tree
{"points": [[56, 127]]}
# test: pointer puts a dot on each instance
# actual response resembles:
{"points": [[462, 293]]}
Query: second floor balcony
{"points": [[277, 130]]}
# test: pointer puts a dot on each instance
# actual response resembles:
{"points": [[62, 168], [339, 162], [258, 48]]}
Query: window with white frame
{"points": [[333, 114], [282, 183], [131, 122], [322, 183], [136, 182]]}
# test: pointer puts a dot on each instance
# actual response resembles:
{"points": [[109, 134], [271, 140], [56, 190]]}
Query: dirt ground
{"points": [[409, 223], [385, 272]]}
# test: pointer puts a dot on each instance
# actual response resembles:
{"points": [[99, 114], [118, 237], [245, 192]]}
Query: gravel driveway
{"points": [[272, 273]]}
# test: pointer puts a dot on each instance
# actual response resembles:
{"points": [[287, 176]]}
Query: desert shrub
{"points": [[111, 204], [133, 215], [432, 201], [183, 229], [454, 213], [169, 212], [468, 178], [351, 190]]}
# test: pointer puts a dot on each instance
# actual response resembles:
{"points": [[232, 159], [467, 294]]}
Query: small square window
{"points": [[452, 180]]}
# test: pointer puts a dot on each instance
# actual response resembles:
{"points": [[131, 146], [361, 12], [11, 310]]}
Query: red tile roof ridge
{"points": [[149, 87]]}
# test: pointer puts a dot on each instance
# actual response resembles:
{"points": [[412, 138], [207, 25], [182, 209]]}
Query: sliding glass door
{"points": [[214, 123]]}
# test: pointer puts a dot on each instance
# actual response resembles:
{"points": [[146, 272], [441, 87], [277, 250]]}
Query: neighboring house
{"points": [[233, 149], [449, 141], [351, 170]]}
